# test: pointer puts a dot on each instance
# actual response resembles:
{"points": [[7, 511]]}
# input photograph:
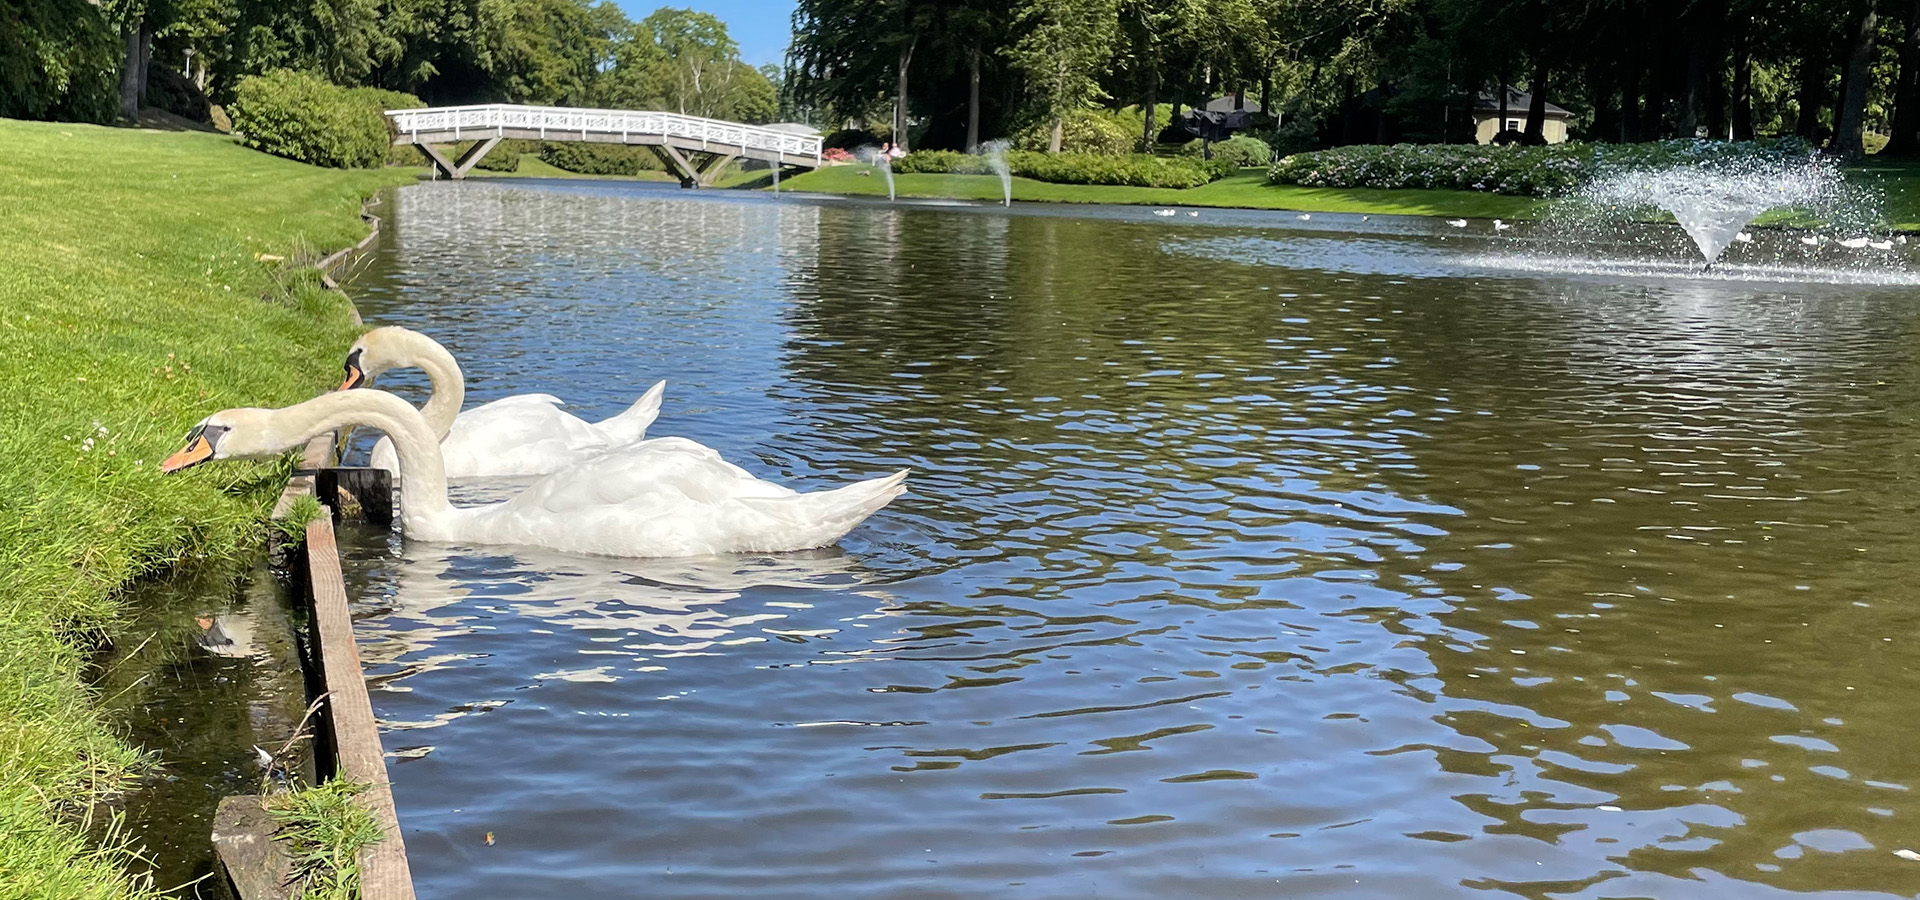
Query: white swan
{"points": [[663, 497], [1457, 223], [525, 434]]}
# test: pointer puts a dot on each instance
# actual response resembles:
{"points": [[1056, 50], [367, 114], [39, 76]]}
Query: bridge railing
{"points": [[563, 122]]}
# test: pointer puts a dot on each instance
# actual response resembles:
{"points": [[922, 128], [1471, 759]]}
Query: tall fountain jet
{"points": [[1715, 201], [996, 154], [874, 157]]}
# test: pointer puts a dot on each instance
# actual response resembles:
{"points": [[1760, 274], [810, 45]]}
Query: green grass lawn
{"points": [[138, 293], [1248, 190]]}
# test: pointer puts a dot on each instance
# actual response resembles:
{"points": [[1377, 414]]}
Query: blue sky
{"points": [[760, 26]]}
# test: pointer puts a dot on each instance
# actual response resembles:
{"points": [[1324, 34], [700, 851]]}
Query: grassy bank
{"points": [[132, 270], [1246, 190]]}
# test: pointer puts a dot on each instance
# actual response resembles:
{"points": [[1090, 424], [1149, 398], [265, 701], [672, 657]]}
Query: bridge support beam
{"points": [[459, 168], [691, 175]]}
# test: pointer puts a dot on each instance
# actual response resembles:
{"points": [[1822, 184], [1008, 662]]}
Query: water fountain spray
{"points": [[1714, 200], [996, 154]]}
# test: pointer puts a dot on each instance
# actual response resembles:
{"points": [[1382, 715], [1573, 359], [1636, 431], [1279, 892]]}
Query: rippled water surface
{"points": [[1241, 560]]}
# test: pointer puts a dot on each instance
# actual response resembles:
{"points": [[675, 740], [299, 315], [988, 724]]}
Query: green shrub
{"points": [[1087, 131], [1550, 171], [597, 159], [175, 93], [380, 101], [1241, 150], [1136, 169], [302, 116]]}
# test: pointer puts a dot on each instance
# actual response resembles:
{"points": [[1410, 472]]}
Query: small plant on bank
{"points": [[325, 832], [293, 526]]}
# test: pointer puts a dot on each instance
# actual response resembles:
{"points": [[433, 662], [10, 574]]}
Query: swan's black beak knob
{"points": [[356, 377]]}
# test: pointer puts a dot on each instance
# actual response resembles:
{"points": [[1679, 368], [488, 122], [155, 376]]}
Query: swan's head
{"points": [[377, 352], [230, 434]]}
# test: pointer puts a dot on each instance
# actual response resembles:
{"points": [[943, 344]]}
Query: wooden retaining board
{"points": [[384, 873]]}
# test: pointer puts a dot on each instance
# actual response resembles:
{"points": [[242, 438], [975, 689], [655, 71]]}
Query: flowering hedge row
{"points": [[1550, 171], [1135, 169]]}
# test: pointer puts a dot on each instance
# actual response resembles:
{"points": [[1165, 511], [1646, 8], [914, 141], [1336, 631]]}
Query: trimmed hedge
{"points": [[597, 159], [1135, 169], [1241, 150], [1551, 171], [302, 116]]}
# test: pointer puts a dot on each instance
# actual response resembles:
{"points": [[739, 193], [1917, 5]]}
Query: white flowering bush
{"points": [[1554, 170]]}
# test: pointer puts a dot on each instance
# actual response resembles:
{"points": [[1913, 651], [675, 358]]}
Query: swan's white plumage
{"points": [[521, 435], [663, 497]]}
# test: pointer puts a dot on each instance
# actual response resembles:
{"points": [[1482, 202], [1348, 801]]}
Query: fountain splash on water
{"points": [[1714, 201], [996, 154], [873, 156]]}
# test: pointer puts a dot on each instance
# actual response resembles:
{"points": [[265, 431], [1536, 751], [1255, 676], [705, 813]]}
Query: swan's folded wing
{"points": [[663, 472]]}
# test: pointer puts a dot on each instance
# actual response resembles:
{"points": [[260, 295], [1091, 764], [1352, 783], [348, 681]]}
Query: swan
{"points": [[1854, 243], [525, 434], [1500, 226], [1742, 238], [1457, 223], [1304, 217], [1812, 240], [663, 497], [1880, 245], [1163, 212]]}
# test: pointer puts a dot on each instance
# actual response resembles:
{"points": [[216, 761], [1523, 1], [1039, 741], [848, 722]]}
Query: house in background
{"points": [[1487, 121]]}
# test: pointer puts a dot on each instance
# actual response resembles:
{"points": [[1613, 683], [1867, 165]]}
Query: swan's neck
{"points": [[424, 509], [449, 383]]}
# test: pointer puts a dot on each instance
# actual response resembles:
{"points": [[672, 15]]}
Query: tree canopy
{"points": [[570, 52]]}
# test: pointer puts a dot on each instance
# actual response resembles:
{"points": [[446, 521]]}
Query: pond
{"points": [[1244, 556]]}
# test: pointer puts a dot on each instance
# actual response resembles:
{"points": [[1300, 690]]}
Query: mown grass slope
{"points": [[131, 306]]}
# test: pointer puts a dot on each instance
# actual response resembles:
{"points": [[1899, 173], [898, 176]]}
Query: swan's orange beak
{"points": [[197, 451], [355, 376]]}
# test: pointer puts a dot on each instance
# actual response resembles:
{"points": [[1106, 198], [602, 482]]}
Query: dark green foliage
{"points": [[851, 139], [1240, 151], [1134, 169], [171, 91], [1087, 131], [383, 100], [302, 116], [59, 59], [597, 159], [1549, 171]]}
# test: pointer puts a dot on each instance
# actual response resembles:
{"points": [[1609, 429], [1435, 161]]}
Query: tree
{"points": [[1067, 42]]}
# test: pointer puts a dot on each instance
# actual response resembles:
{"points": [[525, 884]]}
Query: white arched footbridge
{"points": [[696, 149]]}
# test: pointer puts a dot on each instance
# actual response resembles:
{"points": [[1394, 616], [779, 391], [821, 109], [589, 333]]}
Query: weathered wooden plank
{"points": [[257, 864], [384, 871]]}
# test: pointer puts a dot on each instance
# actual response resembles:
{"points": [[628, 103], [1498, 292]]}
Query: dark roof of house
{"points": [[1225, 104], [1517, 102]]}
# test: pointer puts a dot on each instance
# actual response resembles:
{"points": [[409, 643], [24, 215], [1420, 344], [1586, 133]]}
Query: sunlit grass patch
{"points": [[139, 292], [325, 831]]}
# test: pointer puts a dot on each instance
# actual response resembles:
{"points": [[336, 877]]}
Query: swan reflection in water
{"points": [[430, 606]]}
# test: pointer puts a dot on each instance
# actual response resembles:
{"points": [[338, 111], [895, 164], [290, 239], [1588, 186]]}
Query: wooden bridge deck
{"points": [[695, 148]]}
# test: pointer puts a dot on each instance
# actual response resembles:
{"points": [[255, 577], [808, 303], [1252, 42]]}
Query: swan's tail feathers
{"points": [[631, 426], [822, 517]]}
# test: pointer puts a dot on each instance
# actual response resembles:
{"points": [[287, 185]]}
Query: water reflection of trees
{"points": [[1631, 528]]}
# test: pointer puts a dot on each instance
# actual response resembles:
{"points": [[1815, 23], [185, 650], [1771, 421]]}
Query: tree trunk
{"points": [[1537, 109], [1813, 76], [973, 104], [1743, 80], [1906, 101], [1653, 118], [1053, 139], [1850, 127], [1629, 103], [130, 77], [1694, 114], [146, 56], [1153, 105], [900, 99], [1266, 87], [1500, 124]]}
